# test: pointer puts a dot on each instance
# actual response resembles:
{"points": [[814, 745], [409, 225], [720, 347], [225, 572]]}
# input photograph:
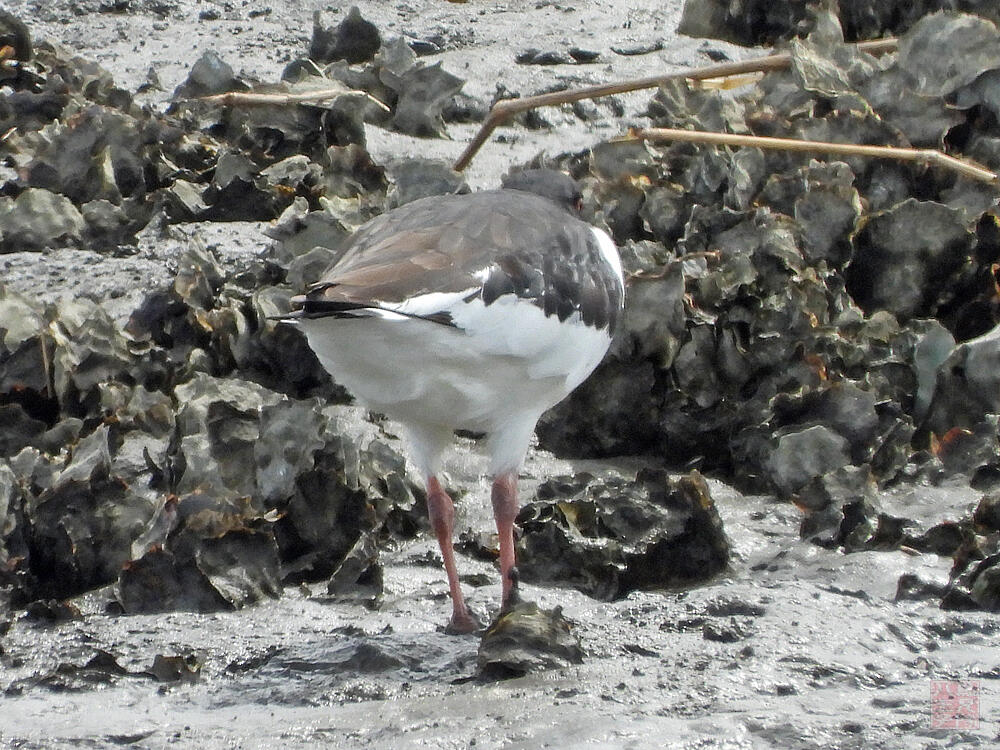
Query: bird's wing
{"points": [[421, 258]]}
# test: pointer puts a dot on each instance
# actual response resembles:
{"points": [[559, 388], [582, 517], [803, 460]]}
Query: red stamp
{"points": [[954, 704]]}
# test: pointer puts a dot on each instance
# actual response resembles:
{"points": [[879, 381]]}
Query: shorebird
{"points": [[472, 312]]}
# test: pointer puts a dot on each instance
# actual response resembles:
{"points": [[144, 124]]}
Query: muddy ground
{"points": [[796, 647]]}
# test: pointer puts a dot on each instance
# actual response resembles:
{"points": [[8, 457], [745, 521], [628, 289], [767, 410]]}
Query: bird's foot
{"points": [[463, 623]]}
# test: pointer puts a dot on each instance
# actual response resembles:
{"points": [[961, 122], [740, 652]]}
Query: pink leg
{"points": [[505, 509], [441, 511]]}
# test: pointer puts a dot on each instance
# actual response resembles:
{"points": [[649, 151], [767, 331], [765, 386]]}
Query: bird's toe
{"points": [[463, 623]]}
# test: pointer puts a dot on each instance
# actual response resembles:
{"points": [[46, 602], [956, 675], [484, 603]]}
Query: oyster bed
{"points": [[203, 541]]}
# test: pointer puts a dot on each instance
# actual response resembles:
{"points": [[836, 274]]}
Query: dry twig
{"points": [[967, 168], [252, 99], [504, 110]]}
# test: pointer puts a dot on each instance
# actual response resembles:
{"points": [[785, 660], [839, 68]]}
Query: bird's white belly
{"points": [[498, 360]]}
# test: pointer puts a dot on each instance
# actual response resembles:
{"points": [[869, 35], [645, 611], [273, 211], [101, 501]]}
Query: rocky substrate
{"points": [[819, 334]]}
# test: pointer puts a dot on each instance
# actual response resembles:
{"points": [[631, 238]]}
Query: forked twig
{"points": [[964, 167], [505, 109]]}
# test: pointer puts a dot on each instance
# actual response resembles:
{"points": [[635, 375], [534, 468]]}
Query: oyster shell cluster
{"points": [[819, 330]]}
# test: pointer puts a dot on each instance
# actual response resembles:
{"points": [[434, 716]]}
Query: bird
{"points": [[469, 312]]}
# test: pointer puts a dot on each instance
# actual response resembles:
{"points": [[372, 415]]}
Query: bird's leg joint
{"points": [[440, 510]]}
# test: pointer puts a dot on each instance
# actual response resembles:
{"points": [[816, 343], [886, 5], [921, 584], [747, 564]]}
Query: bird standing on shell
{"points": [[469, 312]]}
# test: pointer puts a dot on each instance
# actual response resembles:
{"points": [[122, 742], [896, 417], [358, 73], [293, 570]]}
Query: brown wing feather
{"points": [[518, 244], [434, 244]]}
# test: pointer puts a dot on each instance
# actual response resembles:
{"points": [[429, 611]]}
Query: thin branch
{"points": [[505, 109], [252, 99], [964, 167]]}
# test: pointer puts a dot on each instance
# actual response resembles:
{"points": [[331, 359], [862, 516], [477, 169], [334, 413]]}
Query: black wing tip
{"points": [[441, 318], [312, 309], [286, 318], [321, 307]]}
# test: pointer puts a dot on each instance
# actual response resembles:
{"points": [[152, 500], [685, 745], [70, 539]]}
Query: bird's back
{"points": [[492, 243]]}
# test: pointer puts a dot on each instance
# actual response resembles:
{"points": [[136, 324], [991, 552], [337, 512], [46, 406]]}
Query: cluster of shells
{"points": [[817, 330], [197, 457]]}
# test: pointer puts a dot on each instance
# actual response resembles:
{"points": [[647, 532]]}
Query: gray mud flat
{"points": [[797, 646]]}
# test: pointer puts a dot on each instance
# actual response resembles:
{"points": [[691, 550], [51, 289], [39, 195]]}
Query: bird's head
{"points": [[557, 186]]}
